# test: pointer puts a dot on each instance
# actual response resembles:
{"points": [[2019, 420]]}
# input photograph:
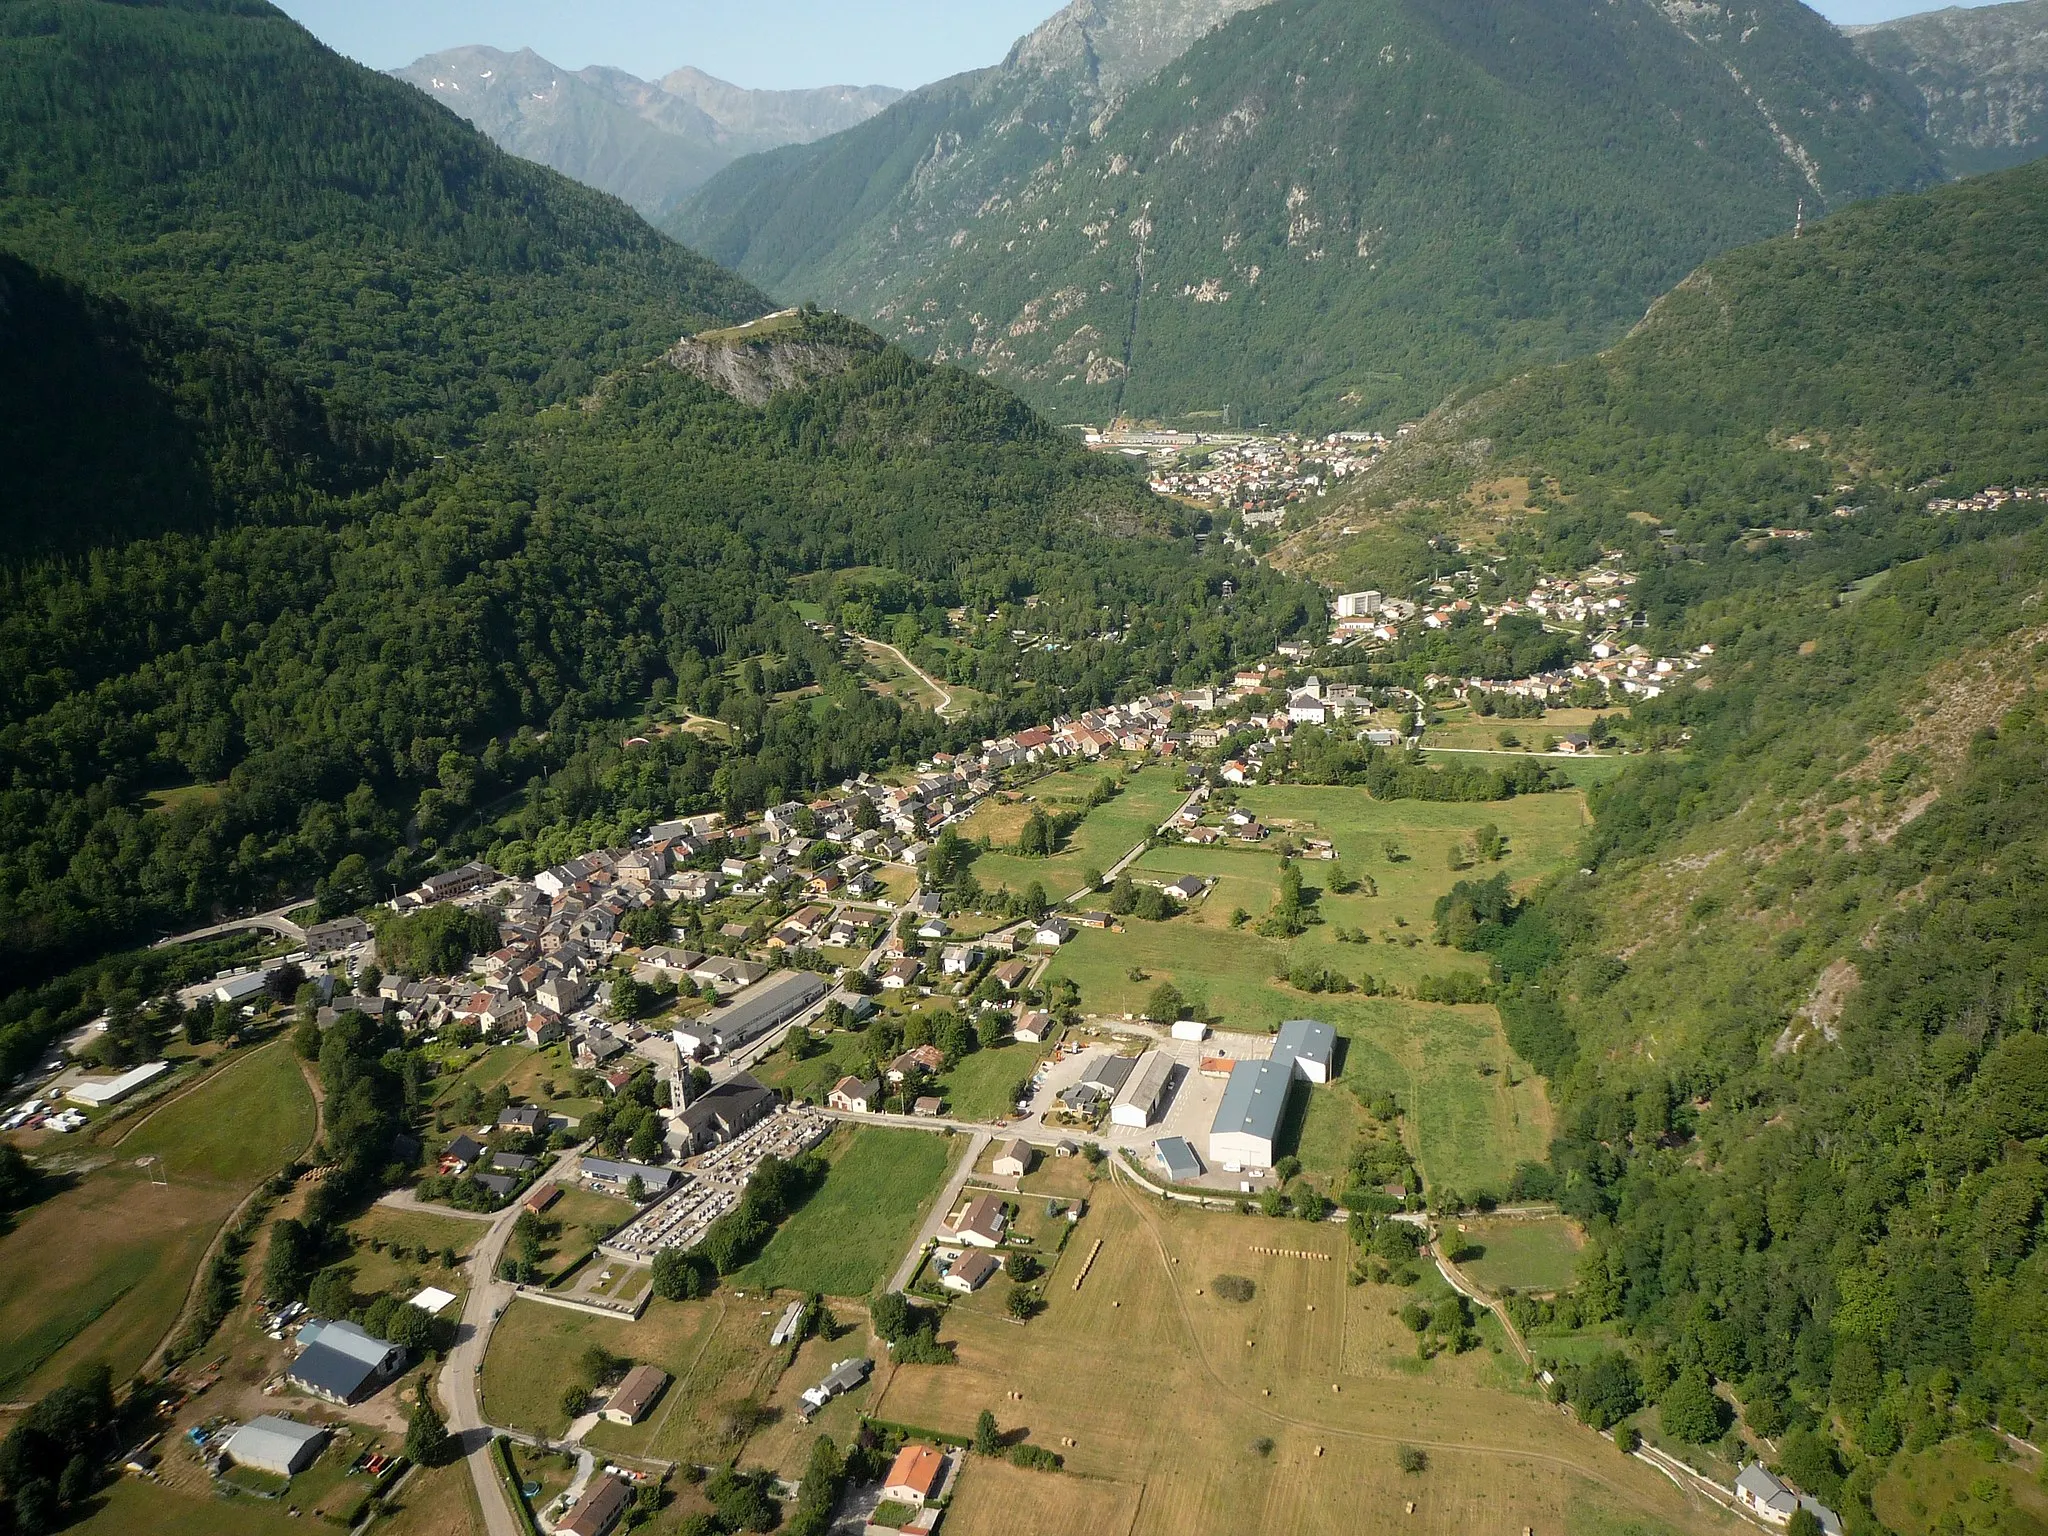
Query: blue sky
{"points": [[767, 44]]}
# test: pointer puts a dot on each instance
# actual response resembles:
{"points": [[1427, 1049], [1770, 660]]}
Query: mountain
{"points": [[1322, 212], [1981, 73], [209, 157], [650, 143], [1789, 999]]}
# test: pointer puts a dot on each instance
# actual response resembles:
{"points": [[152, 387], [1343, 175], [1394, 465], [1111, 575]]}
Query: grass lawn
{"points": [[536, 1350], [1319, 1368], [411, 1229], [101, 1270], [1955, 1476], [1538, 1255], [812, 1078], [724, 1361], [524, 1072], [1462, 728], [850, 1234], [979, 1086], [1108, 834]]}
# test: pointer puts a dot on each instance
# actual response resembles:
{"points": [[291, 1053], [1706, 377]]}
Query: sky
{"points": [[764, 44]]}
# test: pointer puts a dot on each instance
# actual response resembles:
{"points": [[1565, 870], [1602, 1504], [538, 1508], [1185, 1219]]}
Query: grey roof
{"points": [[765, 1005], [1308, 1039], [620, 1173], [273, 1444], [1178, 1159], [498, 1184], [1145, 1088], [722, 1111], [1255, 1099], [1107, 1073], [339, 1359], [847, 1375]]}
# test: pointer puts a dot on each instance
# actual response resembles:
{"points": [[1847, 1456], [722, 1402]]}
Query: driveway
{"points": [[941, 1209]]}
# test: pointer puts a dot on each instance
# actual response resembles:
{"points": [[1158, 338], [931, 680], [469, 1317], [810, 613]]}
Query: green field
{"points": [[850, 1234], [979, 1085], [1525, 1254], [101, 1271], [1110, 831]]}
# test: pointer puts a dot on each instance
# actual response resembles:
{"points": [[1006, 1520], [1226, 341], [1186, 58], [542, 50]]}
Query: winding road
{"points": [[276, 921], [945, 705]]}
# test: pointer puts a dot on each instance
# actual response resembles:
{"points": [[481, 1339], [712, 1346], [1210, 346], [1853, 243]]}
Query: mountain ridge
{"points": [[649, 142], [1980, 73]]}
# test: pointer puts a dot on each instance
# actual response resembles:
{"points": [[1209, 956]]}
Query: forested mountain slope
{"points": [[1981, 74], [1792, 1005], [210, 157], [649, 142], [1325, 212]]}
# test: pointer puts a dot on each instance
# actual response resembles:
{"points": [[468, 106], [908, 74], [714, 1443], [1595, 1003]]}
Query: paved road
{"points": [[1132, 857], [275, 920], [488, 1297], [941, 1209]]}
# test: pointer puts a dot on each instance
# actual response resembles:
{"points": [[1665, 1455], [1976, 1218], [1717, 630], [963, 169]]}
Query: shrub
{"points": [[1412, 1459], [1234, 1287]]}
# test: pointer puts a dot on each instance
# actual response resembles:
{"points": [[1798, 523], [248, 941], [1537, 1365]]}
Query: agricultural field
{"points": [[1110, 831], [1518, 1252], [784, 1441], [1462, 728], [1273, 1414], [846, 1238], [101, 1270]]}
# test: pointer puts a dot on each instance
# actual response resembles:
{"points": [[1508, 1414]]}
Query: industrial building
{"points": [[766, 1004], [342, 1362], [1255, 1099], [276, 1445], [1137, 1102], [1310, 1044]]}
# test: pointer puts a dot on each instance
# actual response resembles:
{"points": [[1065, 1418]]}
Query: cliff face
{"points": [[1981, 76], [757, 361]]}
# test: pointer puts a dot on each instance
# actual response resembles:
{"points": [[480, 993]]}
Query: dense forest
{"points": [[1325, 212]]}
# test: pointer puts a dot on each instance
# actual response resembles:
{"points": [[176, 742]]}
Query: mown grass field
{"points": [[848, 1236], [1110, 831], [1168, 1433], [1462, 728], [980, 1083], [1530, 1255], [100, 1271], [536, 1350], [1473, 1110]]}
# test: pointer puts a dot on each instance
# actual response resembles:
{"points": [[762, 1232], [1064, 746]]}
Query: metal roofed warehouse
{"points": [[1310, 1044], [276, 1445], [1248, 1120], [760, 1008]]}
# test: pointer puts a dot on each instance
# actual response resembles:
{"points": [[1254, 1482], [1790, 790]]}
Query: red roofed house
{"points": [[915, 1475]]}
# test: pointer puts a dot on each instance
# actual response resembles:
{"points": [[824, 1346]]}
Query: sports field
{"points": [[847, 1237], [1190, 1415], [1110, 831], [1529, 1255], [101, 1270]]}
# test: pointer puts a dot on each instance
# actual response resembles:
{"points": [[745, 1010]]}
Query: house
{"points": [[561, 994], [1176, 1159], [607, 1499], [980, 1222], [1306, 709], [530, 1118], [1769, 1498], [1138, 1102], [899, 973], [1309, 1045], [933, 928], [1106, 1074], [1013, 1159], [1186, 888], [721, 1112], [1576, 744], [499, 1184], [631, 1399], [511, 1162], [1190, 1029], [842, 1378], [1033, 1026], [1201, 837], [543, 1029], [1054, 931], [597, 1048], [915, 1476], [919, 1058], [326, 938], [1066, 1147], [928, 1107], [970, 1272], [460, 1153], [730, 1028], [1098, 920], [342, 1362], [1215, 1066], [855, 1096], [276, 1445], [960, 959], [1011, 973], [456, 882]]}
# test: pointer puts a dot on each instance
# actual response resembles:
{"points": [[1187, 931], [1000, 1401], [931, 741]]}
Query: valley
{"points": [[1279, 769]]}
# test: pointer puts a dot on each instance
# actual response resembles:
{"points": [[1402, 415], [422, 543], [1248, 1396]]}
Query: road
{"points": [[488, 1298], [1132, 857], [275, 920], [945, 696], [941, 1209]]}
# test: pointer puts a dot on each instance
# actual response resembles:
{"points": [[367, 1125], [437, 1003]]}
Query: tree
{"points": [[427, 1441], [1689, 1410], [1165, 1004], [1412, 1459], [574, 1396], [1020, 1267], [1022, 1303], [681, 1275], [988, 1440]]}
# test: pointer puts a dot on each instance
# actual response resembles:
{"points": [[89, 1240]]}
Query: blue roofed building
{"points": [[1176, 1159], [343, 1363], [1311, 1045]]}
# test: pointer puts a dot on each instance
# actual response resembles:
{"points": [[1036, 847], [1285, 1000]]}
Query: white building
{"points": [[1138, 1101], [276, 1445], [1359, 605], [98, 1092]]}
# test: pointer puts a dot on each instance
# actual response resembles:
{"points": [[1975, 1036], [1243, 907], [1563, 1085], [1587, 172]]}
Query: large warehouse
{"points": [[760, 1008], [1255, 1099], [1137, 1101], [276, 1445]]}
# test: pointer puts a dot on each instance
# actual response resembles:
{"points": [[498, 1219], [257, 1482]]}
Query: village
{"points": [[1258, 477]]}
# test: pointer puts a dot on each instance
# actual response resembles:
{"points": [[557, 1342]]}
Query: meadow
{"points": [[1201, 1415], [1519, 1252], [100, 1271], [1110, 831], [849, 1235]]}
